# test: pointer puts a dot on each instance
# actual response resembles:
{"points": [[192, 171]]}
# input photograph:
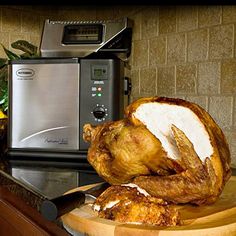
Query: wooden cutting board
{"points": [[218, 219]]}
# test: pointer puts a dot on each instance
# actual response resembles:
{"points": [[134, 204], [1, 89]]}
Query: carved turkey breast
{"points": [[129, 204], [171, 148]]}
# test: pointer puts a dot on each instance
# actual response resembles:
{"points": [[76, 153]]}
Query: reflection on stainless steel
{"points": [[45, 97], [23, 191], [48, 182], [24, 180], [43, 131], [52, 41]]}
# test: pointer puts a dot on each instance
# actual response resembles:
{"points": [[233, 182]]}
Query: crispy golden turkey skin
{"points": [[130, 204], [170, 147]]}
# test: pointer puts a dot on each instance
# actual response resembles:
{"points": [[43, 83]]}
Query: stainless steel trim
{"points": [[51, 43], [45, 107], [49, 182]]}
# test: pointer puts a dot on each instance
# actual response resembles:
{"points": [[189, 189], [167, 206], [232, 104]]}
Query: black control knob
{"points": [[99, 112]]}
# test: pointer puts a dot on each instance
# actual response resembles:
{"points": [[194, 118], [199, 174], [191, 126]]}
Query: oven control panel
{"points": [[100, 112], [101, 92]]}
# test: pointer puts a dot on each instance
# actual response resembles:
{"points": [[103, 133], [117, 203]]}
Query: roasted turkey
{"points": [[130, 204], [170, 147]]}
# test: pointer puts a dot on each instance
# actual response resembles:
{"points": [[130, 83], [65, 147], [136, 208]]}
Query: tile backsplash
{"points": [[177, 51]]}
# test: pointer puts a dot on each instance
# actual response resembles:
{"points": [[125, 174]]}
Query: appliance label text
{"points": [[57, 140], [25, 73]]}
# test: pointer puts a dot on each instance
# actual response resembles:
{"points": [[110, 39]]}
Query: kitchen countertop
{"points": [[31, 198], [18, 218], [10, 187], [20, 205]]}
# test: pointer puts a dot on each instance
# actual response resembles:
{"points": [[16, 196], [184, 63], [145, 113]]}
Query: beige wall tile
{"points": [[105, 13], [202, 101], [42, 22], [157, 51], [1, 19], [228, 76], [47, 10], [231, 138], [166, 81], [176, 48], [132, 99], [186, 18], [148, 81], [228, 135], [149, 22], [186, 79], [167, 19], [35, 40], [221, 42], [18, 7], [229, 14], [208, 78], [4, 39], [178, 96], [85, 13], [220, 108], [209, 15], [136, 31], [135, 83], [140, 53], [127, 71], [80, 13], [11, 20], [234, 41], [126, 11], [233, 155], [155, 30], [14, 37], [130, 59], [197, 45], [44, 16], [30, 23], [234, 112]]}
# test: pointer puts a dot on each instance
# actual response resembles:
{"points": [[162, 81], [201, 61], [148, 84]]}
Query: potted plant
{"points": [[29, 51]]}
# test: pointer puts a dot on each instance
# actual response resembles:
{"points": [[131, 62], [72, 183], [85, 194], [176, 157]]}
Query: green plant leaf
{"points": [[30, 51], [25, 55], [10, 55], [4, 101], [25, 47], [3, 86], [3, 73], [3, 62]]}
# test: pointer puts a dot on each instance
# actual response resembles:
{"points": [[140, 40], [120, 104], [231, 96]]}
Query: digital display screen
{"points": [[83, 33], [99, 72]]}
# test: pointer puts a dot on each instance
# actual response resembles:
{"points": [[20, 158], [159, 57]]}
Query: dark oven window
{"points": [[82, 34]]}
